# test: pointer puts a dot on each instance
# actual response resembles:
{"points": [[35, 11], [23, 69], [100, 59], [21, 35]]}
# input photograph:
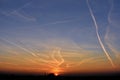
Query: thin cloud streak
{"points": [[19, 46], [108, 42], [59, 22], [98, 36], [17, 13], [110, 11]]}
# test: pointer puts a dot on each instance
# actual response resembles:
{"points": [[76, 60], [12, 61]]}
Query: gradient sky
{"points": [[58, 35]]}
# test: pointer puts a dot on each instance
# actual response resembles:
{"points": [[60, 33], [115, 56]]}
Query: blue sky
{"points": [[47, 19], [39, 24]]}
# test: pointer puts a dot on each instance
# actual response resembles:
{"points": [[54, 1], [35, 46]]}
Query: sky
{"points": [[59, 36]]}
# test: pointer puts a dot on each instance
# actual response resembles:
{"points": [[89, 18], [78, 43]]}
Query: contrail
{"points": [[57, 51], [60, 56], [57, 68], [109, 45], [110, 11], [88, 60], [108, 31], [53, 56], [98, 36], [33, 54]]}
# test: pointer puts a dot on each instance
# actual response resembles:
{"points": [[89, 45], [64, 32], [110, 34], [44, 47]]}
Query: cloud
{"points": [[64, 20], [110, 39], [23, 16], [19, 13], [114, 15], [59, 22]]}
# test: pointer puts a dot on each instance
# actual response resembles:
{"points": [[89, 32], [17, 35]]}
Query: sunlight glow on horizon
{"points": [[87, 62]]}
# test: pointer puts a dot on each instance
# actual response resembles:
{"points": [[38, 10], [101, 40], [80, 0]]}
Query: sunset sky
{"points": [[59, 36]]}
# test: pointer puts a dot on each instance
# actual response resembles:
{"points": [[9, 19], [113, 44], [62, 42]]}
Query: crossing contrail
{"points": [[57, 51], [98, 36], [56, 68], [60, 56], [110, 46], [10, 42]]}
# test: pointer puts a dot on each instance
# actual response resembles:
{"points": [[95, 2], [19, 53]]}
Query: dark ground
{"points": [[14, 76]]}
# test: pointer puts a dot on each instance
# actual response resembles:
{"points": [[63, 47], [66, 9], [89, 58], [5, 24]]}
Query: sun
{"points": [[56, 74], [56, 71]]}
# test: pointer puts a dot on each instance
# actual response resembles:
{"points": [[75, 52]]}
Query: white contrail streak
{"points": [[108, 42], [53, 56], [57, 51], [110, 11], [62, 60], [33, 54], [98, 36]]}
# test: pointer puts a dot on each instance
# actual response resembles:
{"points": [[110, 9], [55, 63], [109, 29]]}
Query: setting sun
{"points": [[56, 71], [56, 74]]}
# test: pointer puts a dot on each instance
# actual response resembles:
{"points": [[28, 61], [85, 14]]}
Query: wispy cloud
{"points": [[66, 20], [19, 13], [58, 22], [23, 16], [110, 11], [98, 35], [109, 37]]}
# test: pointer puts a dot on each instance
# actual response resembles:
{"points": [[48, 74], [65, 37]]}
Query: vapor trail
{"points": [[108, 30], [110, 11], [109, 45], [98, 36], [33, 54], [53, 56], [62, 60], [57, 51], [87, 60]]}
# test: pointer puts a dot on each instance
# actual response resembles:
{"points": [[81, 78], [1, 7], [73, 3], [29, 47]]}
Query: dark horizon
{"points": [[110, 73], [51, 76]]}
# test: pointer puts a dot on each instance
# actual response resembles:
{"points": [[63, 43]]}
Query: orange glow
{"points": [[56, 71], [56, 74], [57, 62]]}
